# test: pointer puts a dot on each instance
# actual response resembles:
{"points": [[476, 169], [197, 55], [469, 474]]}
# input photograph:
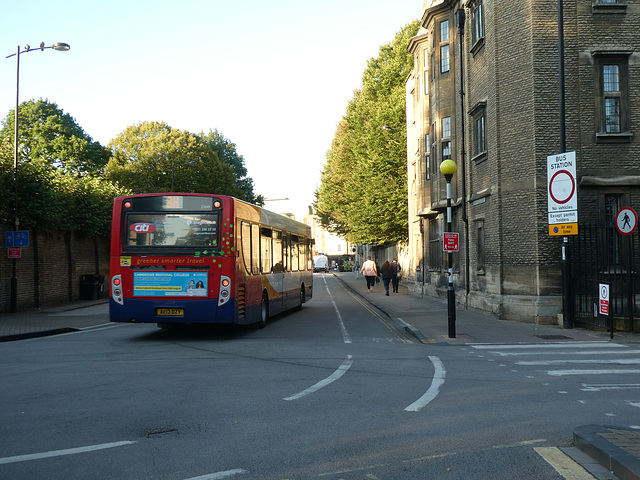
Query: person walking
{"points": [[356, 268], [397, 274], [388, 274], [370, 273]]}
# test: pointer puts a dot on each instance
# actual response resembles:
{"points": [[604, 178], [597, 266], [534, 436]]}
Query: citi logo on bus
{"points": [[142, 227]]}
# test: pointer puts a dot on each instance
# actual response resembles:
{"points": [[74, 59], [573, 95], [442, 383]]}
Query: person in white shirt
{"points": [[370, 273]]}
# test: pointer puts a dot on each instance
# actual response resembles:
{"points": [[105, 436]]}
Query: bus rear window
{"points": [[171, 230]]}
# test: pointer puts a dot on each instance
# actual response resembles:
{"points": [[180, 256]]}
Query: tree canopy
{"points": [[154, 157], [363, 189], [67, 181], [49, 134], [50, 199], [226, 151]]}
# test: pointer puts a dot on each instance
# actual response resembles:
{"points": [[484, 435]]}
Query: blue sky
{"points": [[274, 77]]}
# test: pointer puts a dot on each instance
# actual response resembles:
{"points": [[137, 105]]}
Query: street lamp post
{"points": [[62, 47], [448, 168]]}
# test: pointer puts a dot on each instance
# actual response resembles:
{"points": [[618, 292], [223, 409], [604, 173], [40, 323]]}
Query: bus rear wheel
{"points": [[264, 311]]}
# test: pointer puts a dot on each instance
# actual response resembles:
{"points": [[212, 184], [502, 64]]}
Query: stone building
{"points": [[485, 93]]}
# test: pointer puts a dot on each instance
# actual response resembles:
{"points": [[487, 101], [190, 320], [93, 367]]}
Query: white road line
{"points": [[346, 365], [59, 453], [559, 345], [560, 373], [345, 335], [621, 361], [219, 475], [438, 380], [591, 353], [598, 387]]}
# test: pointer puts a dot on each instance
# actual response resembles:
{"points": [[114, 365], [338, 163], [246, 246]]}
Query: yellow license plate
{"points": [[172, 312]]}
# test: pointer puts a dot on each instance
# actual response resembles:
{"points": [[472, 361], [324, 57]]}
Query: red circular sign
{"points": [[626, 220], [555, 195]]}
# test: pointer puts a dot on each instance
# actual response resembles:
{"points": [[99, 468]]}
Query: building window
{"points": [[446, 127], [446, 135], [444, 58], [434, 151], [479, 145], [477, 25], [427, 155], [444, 46], [446, 150], [611, 82], [612, 105], [435, 245], [426, 71]]}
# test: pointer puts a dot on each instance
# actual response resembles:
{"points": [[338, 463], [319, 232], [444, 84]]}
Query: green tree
{"points": [[152, 156], [51, 200], [363, 189], [226, 151], [52, 136]]}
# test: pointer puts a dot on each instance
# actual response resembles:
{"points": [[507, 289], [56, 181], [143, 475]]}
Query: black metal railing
{"points": [[601, 255]]}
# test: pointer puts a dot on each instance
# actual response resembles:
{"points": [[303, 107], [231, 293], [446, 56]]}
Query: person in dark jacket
{"points": [[398, 275], [388, 273]]}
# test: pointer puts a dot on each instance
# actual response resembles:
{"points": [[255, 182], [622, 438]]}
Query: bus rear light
{"points": [[225, 290], [116, 290]]}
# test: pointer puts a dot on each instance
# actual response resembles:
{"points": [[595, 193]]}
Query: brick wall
{"points": [[50, 269]]}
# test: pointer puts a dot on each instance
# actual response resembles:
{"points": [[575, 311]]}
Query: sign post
{"points": [[603, 305], [562, 211]]}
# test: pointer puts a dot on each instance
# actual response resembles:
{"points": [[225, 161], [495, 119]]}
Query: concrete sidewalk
{"points": [[40, 322], [615, 449]]}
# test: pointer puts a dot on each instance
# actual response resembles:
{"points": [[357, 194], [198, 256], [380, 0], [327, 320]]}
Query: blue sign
{"points": [[19, 238]]}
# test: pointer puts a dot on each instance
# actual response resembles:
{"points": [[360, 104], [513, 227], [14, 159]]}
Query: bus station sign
{"points": [[562, 195]]}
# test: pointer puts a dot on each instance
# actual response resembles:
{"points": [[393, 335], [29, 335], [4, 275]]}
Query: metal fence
{"points": [[600, 255]]}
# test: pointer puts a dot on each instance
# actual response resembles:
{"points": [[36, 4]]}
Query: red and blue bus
{"points": [[186, 258]]}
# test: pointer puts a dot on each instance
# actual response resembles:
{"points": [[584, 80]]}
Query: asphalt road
{"points": [[336, 391]]}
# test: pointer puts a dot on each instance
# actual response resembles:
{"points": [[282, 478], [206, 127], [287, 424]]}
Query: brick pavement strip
{"points": [[627, 440]]}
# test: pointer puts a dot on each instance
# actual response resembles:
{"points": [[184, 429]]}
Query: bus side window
{"points": [[286, 257], [277, 252], [255, 249], [303, 254], [265, 250], [294, 253], [246, 246]]}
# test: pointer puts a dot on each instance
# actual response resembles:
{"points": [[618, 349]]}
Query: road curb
{"points": [[621, 463], [37, 334]]}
